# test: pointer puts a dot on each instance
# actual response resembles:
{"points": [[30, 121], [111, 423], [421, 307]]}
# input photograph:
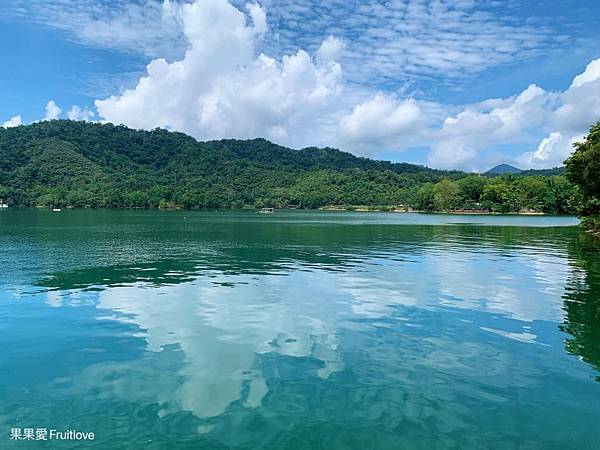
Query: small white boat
{"points": [[3, 205], [266, 211], [56, 209]]}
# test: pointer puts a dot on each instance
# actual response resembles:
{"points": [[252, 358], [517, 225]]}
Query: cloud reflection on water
{"points": [[281, 325], [223, 322]]}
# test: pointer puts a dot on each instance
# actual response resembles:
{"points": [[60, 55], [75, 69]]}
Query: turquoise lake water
{"points": [[299, 330]]}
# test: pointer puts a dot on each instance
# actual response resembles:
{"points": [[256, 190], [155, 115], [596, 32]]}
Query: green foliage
{"points": [[424, 199], [501, 195], [88, 165], [583, 169], [471, 189], [446, 196]]}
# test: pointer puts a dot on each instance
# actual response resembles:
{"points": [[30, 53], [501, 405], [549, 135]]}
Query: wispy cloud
{"points": [[386, 43], [407, 39], [144, 27]]}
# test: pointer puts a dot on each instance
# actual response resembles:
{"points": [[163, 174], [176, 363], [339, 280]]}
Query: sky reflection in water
{"points": [[300, 329]]}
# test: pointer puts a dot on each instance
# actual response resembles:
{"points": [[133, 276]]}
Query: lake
{"points": [[299, 329]]}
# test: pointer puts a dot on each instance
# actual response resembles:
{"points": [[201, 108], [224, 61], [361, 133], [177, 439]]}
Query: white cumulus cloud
{"points": [[330, 49], [78, 113], [580, 104], [13, 122], [222, 88], [461, 137], [52, 111], [551, 152], [591, 73], [381, 121], [578, 108]]}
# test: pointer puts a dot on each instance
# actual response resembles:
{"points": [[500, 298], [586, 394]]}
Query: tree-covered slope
{"points": [[82, 164], [88, 164]]}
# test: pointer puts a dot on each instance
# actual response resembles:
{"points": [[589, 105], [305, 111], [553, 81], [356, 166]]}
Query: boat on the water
{"points": [[266, 210], [3, 205], [56, 209]]}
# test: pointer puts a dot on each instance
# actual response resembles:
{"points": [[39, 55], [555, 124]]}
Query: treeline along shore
{"points": [[64, 163]]}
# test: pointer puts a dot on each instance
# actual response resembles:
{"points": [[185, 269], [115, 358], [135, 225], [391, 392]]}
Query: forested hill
{"points": [[82, 164], [107, 143]]}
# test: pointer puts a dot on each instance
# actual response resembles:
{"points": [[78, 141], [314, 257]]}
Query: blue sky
{"points": [[448, 83]]}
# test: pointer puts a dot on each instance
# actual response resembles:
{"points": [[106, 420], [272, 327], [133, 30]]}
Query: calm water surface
{"points": [[300, 330]]}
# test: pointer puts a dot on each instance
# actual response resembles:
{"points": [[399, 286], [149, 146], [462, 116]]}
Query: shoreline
{"points": [[358, 209], [464, 212]]}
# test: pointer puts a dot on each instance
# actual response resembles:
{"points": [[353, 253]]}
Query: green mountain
{"points": [[503, 169], [81, 164], [89, 164], [506, 169]]}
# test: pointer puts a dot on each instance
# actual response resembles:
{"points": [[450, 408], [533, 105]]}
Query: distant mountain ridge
{"points": [[507, 169], [502, 169]]}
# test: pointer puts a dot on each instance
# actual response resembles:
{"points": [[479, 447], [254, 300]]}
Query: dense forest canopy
{"points": [[65, 163]]}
